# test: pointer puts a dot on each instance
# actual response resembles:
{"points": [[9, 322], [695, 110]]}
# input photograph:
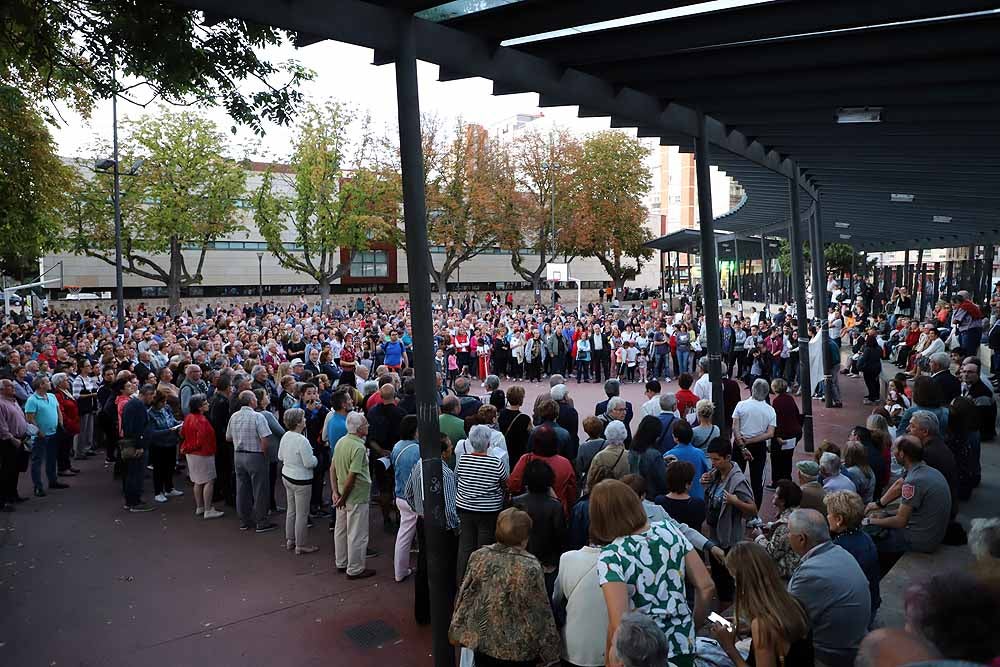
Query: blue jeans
{"points": [[682, 361], [46, 449]]}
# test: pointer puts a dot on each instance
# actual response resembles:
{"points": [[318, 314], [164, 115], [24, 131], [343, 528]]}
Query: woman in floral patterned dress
{"points": [[502, 611], [643, 567]]}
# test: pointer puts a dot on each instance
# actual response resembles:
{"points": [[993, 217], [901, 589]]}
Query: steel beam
{"points": [[801, 315], [376, 27], [415, 218], [709, 273]]}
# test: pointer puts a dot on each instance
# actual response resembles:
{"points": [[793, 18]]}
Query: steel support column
{"points": [[906, 273], [799, 293], [415, 217], [989, 254], [819, 299], [709, 278], [919, 278], [949, 276], [763, 270]]}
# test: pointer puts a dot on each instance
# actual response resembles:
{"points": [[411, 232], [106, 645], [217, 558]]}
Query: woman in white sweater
{"points": [[297, 463]]}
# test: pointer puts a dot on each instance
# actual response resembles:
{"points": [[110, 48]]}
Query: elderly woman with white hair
{"points": [[638, 642], [482, 480], [831, 472], [298, 461], [754, 422], [614, 455]]}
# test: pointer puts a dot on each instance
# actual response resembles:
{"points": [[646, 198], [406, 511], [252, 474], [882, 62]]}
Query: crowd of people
{"points": [[574, 535]]}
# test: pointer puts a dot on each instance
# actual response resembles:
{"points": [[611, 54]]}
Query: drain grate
{"points": [[372, 634]]}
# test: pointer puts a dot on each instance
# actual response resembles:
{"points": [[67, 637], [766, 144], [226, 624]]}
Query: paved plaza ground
{"points": [[84, 583]]}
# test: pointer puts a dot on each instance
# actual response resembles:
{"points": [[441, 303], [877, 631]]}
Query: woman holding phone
{"points": [[163, 437], [779, 625]]}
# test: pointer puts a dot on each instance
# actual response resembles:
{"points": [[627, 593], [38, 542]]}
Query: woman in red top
{"points": [[198, 445], [544, 447], [70, 422]]}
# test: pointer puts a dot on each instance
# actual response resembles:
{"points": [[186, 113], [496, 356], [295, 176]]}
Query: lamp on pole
{"points": [[260, 276]]}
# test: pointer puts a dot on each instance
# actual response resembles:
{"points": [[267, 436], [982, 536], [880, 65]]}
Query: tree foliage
{"points": [[609, 218], [837, 256], [183, 197], [543, 168], [338, 194], [71, 50], [469, 195], [33, 185]]}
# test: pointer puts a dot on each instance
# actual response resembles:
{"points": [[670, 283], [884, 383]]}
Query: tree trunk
{"points": [[442, 286], [174, 282], [324, 295], [620, 287], [536, 287]]}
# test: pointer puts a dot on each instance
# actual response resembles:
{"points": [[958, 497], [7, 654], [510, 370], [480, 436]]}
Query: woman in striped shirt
{"points": [[482, 481]]}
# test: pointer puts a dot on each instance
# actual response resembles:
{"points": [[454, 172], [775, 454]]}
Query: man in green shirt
{"points": [[352, 483], [450, 423]]}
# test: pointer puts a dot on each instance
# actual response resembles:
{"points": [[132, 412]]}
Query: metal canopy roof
{"points": [[769, 77], [689, 241]]}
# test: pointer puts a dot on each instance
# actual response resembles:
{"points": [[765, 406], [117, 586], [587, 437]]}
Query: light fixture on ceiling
{"points": [[942, 218], [845, 236], [900, 197], [859, 115], [841, 225]]}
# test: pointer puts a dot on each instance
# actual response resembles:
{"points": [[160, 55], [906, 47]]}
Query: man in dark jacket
{"points": [[219, 411], [135, 423], [612, 388], [949, 385]]}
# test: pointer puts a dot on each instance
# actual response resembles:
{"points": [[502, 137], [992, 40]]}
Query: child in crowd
{"points": [[642, 365]]}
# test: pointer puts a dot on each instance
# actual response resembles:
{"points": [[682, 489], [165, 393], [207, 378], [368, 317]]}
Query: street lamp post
{"points": [[550, 168], [119, 284], [260, 276]]}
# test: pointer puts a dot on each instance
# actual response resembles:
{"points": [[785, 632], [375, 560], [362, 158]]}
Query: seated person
{"points": [[924, 511], [844, 512], [833, 477], [679, 503], [685, 451]]}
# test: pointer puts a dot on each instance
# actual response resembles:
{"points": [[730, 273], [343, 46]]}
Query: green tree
{"points": [[609, 219], [183, 198], [467, 195], [543, 170], [837, 256], [33, 186], [323, 205], [71, 50]]}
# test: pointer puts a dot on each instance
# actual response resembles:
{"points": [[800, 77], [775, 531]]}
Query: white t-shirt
{"points": [[586, 613], [651, 407], [703, 388], [755, 417]]}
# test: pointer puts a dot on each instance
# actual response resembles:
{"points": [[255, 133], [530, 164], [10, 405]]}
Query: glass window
{"points": [[370, 264]]}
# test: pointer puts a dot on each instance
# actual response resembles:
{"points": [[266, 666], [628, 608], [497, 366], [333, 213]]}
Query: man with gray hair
{"points": [[568, 418], [639, 642], [249, 432], [924, 426], [351, 483], [949, 385], [470, 404], [192, 384], [831, 586], [612, 389], [754, 422]]}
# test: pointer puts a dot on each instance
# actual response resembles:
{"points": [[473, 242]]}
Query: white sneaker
{"points": [[199, 511], [213, 514], [173, 493], [160, 498]]}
